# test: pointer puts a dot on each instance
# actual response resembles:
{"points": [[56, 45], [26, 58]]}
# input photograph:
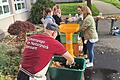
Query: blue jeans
{"points": [[90, 48]]}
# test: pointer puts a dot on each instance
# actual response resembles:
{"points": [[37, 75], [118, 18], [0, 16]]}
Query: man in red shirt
{"points": [[38, 52]]}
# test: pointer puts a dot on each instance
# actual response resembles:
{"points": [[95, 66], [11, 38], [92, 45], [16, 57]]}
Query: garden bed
{"points": [[2, 34]]}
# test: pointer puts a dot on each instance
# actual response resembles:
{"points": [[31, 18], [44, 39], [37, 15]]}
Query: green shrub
{"points": [[2, 77], [38, 8], [117, 4], [95, 11], [9, 61]]}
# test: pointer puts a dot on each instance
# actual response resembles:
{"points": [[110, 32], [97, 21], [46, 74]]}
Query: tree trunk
{"points": [[89, 3]]}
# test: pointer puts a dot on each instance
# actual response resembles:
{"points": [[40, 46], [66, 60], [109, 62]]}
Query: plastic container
{"points": [[67, 73], [63, 38]]}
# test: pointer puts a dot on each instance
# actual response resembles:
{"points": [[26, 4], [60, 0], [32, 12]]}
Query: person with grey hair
{"points": [[38, 52]]}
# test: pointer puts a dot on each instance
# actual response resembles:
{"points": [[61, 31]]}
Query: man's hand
{"points": [[69, 57], [69, 63], [85, 41]]}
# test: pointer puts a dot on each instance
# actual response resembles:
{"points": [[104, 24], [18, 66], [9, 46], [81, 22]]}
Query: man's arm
{"points": [[68, 56]]}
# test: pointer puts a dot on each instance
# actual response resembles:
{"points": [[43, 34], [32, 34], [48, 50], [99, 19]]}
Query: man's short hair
{"points": [[52, 26]]}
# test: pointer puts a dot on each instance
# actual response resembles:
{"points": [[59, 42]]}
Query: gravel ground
{"points": [[107, 54]]}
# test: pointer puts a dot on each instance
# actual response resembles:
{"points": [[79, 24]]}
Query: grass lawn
{"points": [[114, 2], [70, 8], [95, 11]]}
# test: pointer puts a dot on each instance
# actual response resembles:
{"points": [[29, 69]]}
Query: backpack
{"points": [[115, 31]]}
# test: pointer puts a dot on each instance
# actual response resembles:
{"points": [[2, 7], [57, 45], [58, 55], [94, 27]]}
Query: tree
{"points": [[38, 9], [89, 4]]}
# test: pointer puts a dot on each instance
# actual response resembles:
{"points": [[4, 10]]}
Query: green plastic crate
{"points": [[63, 38], [67, 73]]}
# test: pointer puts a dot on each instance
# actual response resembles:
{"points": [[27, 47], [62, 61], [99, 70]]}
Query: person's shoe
{"points": [[87, 61], [90, 64]]}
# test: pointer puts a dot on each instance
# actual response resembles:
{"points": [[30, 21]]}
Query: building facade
{"points": [[13, 10]]}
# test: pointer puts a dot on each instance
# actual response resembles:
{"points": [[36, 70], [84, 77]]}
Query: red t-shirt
{"points": [[38, 52]]}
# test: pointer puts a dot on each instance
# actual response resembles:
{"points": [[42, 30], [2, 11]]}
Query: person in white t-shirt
{"points": [[89, 32]]}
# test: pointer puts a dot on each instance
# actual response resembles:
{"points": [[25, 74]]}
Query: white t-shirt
{"points": [[93, 40]]}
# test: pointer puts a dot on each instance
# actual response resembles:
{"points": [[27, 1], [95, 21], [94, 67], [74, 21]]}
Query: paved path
{"points": [[106, 8], [104, 25]]}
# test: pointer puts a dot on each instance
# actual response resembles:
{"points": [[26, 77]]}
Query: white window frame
{"points": [[33, 1], [22, 9], [5, 14]]}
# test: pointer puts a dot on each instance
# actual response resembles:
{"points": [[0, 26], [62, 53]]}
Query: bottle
{"points": [[76, 15], [100, 14], [70, 16]]}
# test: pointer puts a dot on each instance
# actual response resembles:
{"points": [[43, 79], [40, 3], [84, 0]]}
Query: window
{"points": [[1, 12], [20, 5], [4, 0], [4, 7]]}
